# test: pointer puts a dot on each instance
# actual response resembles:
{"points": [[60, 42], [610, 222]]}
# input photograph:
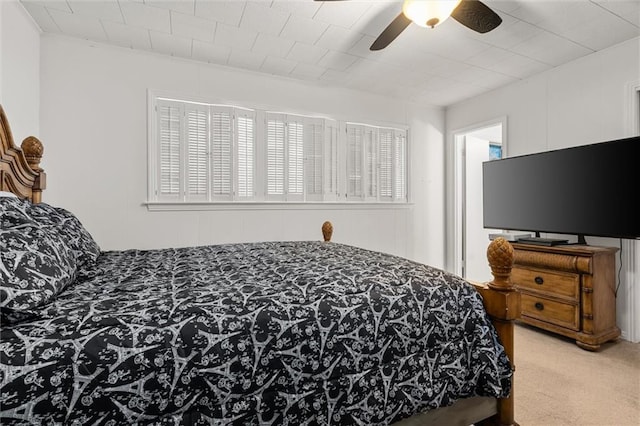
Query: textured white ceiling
{"points": [[328, 42]]}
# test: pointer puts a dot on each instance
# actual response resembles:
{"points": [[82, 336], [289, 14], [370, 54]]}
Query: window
{"points": [[495, 151], [207, 153], [285, 145], [321, 160], [376, 163], [301, 159]]}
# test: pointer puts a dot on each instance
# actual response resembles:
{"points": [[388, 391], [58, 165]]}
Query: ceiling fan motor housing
{"points": [[429, 13], [473, 14]]}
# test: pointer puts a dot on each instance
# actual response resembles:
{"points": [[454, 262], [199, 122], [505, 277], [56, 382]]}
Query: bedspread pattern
{"points": [[287, 333]]}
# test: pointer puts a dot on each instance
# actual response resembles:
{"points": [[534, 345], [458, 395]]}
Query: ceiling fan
{"points": [[472, 14]]}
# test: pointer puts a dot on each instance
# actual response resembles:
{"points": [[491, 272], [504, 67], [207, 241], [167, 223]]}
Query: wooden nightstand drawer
{"points": [[562, 314], [568, 290], [559, 284]]}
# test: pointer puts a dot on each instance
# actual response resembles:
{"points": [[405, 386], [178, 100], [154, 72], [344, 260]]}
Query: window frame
{"points": [[371, 174], [329, 177]]}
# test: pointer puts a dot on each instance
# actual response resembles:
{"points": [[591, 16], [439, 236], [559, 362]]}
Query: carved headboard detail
{"points": [[20, 170]]}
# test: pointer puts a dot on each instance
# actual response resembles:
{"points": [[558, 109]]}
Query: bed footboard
{"points": [[502, 302]]}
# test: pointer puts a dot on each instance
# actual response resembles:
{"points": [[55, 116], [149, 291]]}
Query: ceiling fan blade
{"points": [[476, 15], [390, 33]]}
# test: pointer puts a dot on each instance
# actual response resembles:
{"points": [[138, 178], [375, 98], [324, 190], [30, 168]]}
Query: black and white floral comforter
{"points": [[286, 333]]}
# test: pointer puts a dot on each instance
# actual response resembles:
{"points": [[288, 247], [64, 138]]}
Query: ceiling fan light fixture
{"points": [[429, 13]]}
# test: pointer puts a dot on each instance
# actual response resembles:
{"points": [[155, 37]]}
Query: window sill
{"points": [[271, 205]]}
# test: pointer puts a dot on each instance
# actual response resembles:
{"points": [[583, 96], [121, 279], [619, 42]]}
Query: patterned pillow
{"points": [[34, 268], [69, 228], [42, 248], [13, 211]]}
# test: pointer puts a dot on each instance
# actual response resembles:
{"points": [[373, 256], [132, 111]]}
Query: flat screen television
{"points": [[588, 190]]}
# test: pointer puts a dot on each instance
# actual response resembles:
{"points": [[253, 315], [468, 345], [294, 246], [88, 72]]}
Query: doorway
{"points": [[472, 147]]}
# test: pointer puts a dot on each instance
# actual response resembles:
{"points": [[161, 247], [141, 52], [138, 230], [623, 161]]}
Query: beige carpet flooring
{"points": [[557, 383]]}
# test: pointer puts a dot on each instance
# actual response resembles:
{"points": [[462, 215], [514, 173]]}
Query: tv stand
{"points": [[568, 290]]}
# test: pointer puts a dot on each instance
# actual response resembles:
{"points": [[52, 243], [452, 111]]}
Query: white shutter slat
{"points": [[331, 160], [275, 156], [386, 164], [170, 131], [400, 166], [354, 161], [246, 156], [370, 139], [197, 152], [295, 158], [314, 159], [221, 153]]}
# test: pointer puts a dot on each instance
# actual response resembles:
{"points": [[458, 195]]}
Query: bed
{"points": [[265, 333]]}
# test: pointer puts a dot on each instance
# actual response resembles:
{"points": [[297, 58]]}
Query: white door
{"points": [[476, 238], [471, 147]]}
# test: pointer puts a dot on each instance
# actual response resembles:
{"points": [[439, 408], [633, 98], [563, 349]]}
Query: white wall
{"points": [[94, 127], [585, 101], [19, 70], [578, 103]]}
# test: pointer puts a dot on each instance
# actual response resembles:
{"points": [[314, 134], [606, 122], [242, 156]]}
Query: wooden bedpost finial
{"points": [[33, 150], [500, 256], [327, 230]]}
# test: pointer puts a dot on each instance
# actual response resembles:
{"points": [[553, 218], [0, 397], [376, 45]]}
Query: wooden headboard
{"points": [[20, 171]]}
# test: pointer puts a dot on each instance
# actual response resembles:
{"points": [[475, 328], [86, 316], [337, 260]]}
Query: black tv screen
{"points": [[588, 190]]}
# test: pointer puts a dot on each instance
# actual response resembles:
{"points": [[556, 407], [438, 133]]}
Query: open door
{"points": [[473, 147], [476, 237]]}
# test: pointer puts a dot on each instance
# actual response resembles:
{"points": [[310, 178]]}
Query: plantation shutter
{"points": [[330, 157], [376, 163], [295, 158], [314, 159], [400, 165], [354, 161], [245, 137], [275, 156], [386, 177], [197, 136], [170, 127], [370, 141], [201, 152], [221, 153]]}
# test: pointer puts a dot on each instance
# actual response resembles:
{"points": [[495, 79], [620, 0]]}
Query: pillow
{"points": [[43, 248], [6, 194], [13, 211], [69, 229], [34, 268]]}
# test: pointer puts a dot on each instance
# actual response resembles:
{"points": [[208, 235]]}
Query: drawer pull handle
{"points": [[539, 280], [539, 306]]}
